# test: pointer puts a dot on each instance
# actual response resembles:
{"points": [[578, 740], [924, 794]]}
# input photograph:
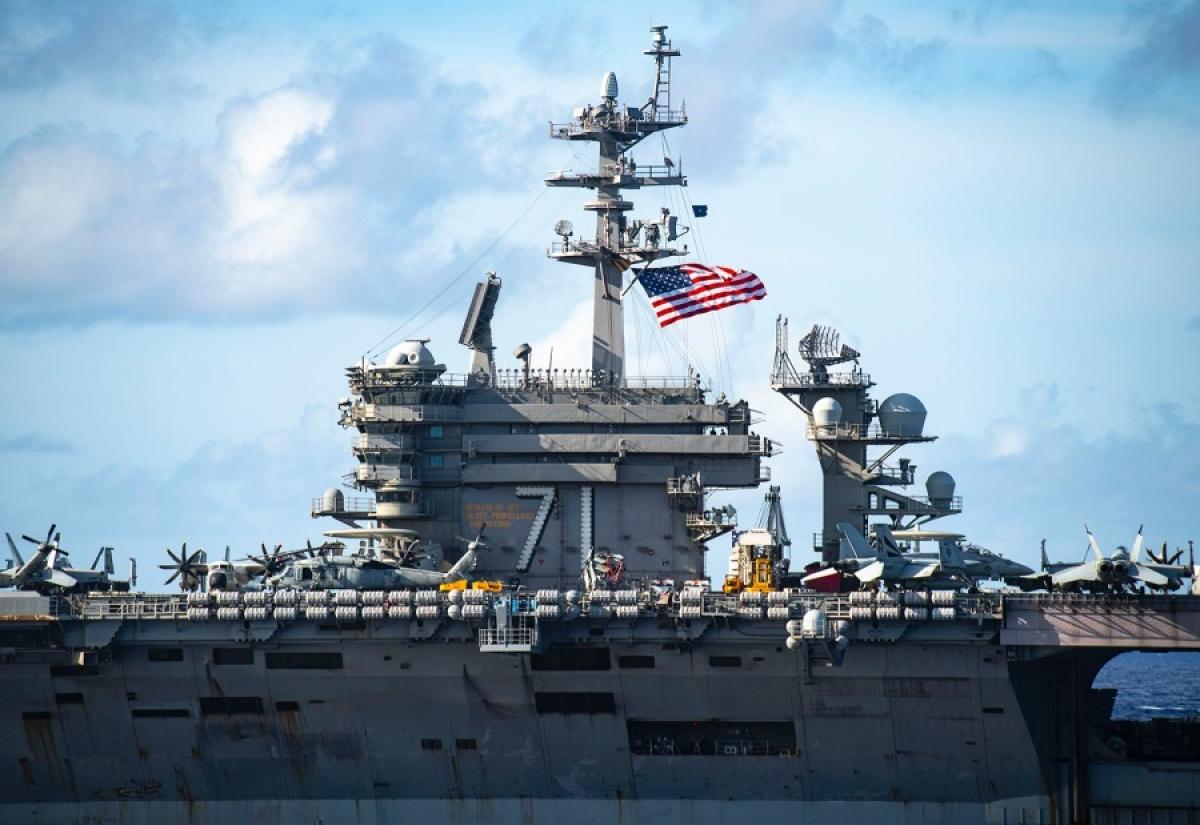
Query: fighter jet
{"points": [[40, 573], [362, 572], [952, 566], [1123, 570]]}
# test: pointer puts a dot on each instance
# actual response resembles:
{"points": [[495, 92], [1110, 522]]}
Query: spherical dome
{"points": [[827, 412], [902, 414], [333, 500], [793, 643], [608, 86], [412, 353], [940, 487]]}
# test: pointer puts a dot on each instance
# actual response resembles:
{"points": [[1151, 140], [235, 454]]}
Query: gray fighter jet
{"points": [[1120, 571], [952, 566]]}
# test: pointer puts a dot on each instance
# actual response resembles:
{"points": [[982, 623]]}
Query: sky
{"points": [[208, 210]]}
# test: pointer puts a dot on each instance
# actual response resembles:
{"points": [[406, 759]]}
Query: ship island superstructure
{"points": [[517, 625], [571, 469]]}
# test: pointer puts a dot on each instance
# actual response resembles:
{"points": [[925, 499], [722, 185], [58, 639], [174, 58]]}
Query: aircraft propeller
{"points": [[272, 562], [51, 542], [185, 566]]}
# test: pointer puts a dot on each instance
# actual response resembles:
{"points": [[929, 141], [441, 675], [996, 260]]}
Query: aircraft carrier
{"points": [[515, 623]]}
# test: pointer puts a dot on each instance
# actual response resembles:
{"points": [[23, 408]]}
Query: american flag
{"points": [[678, 292]]}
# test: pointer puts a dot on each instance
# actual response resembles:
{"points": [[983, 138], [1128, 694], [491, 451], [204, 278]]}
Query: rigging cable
{"points": [[467, 270]]}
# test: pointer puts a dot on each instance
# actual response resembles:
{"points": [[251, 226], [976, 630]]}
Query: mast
{"points": [[620, 243]]}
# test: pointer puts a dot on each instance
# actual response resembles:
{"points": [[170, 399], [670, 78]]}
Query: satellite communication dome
{"points": [[827, 412], [902, 414], [940, 487], [411, 353], [608, 86], [333, 501]]}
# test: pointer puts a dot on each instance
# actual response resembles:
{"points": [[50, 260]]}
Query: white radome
{"points": [[411, 353], [333, 500], [608, 86], [827, 412]]}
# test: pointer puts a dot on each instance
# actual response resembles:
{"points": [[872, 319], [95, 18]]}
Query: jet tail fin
{"points": [[887, 542], [853, 545], [950, 555]]}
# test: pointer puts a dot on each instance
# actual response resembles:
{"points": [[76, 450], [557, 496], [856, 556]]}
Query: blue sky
{"points": [[207, 210]]}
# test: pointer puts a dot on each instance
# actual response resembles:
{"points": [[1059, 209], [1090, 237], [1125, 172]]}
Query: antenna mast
{"points": [[620, 243]]}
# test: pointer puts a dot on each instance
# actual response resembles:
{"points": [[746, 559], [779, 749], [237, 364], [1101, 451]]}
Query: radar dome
{"points": [[902, 414], [333, 501], [827, 412], [608, 86], [411, 353], [940, 487]]}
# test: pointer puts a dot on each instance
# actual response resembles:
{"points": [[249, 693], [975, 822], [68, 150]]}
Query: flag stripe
{"points": [[703, 291], [690, 289], [700, 284], [668, 318]]}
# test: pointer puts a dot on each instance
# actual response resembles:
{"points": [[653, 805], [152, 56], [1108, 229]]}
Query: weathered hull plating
{"points": [[396, 729]]}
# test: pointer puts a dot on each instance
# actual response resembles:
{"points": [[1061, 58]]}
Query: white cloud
{"points": [[309, 197]]}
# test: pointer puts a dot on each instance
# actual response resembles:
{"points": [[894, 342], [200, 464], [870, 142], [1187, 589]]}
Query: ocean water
{"points": [[1153, 685]]}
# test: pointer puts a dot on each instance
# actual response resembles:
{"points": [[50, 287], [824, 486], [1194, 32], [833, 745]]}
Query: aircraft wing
{"points": [[1078, 573], [58, 578], [1149, 575], [919, 571], [872, 572]]}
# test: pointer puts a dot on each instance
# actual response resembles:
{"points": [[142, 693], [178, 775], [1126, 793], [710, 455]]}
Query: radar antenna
{"points": [[822, 348], [477, 328]]}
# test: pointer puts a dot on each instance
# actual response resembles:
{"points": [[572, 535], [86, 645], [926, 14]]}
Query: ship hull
{"points": [[915, 732], [622, 722]]}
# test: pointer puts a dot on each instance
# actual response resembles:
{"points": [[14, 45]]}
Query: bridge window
{"points": [[1147, 705]]}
